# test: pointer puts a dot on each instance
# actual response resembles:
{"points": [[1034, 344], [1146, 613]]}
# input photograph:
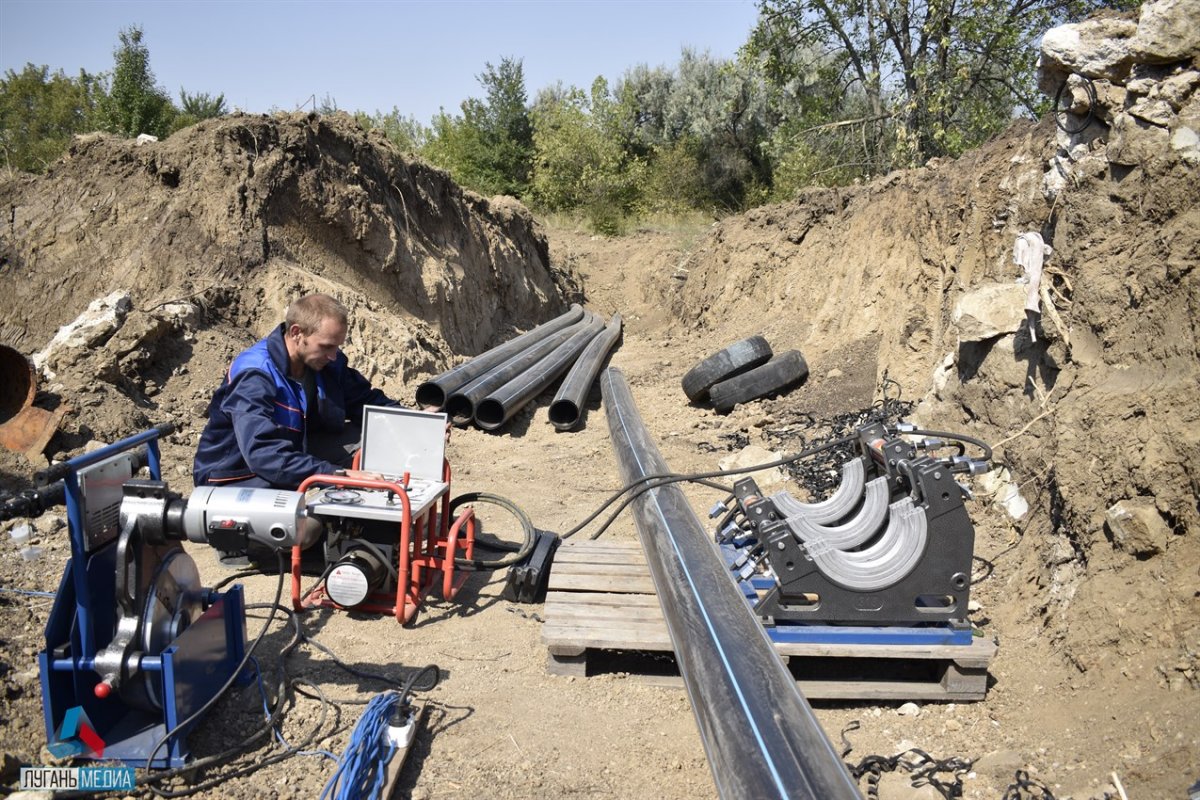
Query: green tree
{"points": [[942, 75], [490, 147], [506, 126], [328, 104], [707, 112], [202, 105], [195, 107], [134, 104], [456, 145], [402, 130], [39, 113], [675, 179], [578, 161]]}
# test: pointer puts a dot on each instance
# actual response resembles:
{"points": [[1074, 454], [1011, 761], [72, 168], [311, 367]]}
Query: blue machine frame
{"points": [[83, 621]]}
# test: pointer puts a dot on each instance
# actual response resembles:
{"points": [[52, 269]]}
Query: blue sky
{"points": [[368, 55]]}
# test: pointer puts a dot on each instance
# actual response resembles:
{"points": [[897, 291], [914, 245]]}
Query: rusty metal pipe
{"points": [[24, 428], [18, 385]]}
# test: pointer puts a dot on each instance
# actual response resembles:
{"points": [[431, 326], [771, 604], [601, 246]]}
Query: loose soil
{"points": [[1095, 679]]}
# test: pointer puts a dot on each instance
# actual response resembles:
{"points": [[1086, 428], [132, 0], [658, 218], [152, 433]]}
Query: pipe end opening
{"points": [[18, 385], [489, 414], [564, 414], [460, 409], [430, 394]]}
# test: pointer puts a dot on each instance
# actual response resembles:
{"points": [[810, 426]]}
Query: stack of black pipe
{"points": [[491, 387]]}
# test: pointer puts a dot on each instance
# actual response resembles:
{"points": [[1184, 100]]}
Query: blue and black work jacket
{"points": [[259, 420]]}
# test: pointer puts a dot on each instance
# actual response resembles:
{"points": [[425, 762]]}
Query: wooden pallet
{"points": [[602, 615]]}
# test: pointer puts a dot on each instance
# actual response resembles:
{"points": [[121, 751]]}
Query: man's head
{"points": [[314, 331]]}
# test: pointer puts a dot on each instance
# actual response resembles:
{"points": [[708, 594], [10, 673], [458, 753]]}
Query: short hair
{"points": [[310, 310]]}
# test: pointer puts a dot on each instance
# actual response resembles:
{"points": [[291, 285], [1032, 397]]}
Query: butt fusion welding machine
{"points": [[135, 643], [388, 540], [891, 547]]}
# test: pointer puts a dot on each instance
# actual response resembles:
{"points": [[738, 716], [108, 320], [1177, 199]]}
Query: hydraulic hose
{"points": [[957, 437], [33, 502], [433, 392], [495, 409], [761, 736], [565, 408], [519, 551], [460, 405]]}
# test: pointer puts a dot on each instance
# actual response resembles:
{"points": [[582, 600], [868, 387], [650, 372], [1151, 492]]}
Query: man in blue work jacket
{"points": [[281, 413]]}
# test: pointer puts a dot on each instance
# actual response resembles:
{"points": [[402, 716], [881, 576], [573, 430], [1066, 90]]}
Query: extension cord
{"points": [[401, 736]]}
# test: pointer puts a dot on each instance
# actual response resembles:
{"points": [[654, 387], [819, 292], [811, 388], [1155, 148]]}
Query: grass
{"points": [[687, 229]]}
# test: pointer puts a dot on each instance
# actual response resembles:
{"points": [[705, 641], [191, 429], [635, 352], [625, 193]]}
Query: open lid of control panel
{"points": [[400, 440]]}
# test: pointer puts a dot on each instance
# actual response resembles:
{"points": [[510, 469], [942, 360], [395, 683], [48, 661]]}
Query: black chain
{"points": [[821, 474], [925, 769], [1024, 787]]}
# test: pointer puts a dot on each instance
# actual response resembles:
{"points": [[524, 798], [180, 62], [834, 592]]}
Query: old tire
{"points": [[779, 374], [739, 357]]}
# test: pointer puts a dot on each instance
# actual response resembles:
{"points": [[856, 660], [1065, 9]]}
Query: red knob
{"points": [[103, 689]]}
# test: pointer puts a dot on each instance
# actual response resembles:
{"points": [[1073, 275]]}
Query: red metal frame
{"points": [[421, 557]]}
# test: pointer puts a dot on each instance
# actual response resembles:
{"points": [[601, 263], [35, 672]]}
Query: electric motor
{"points": [[355, 575], [228, 517]]}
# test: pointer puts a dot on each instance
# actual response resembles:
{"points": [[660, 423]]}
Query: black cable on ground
{"points": [[1025, 787], [530, 533], [1071, 130], [820, 475], [273, 718], [407, 685], [234, 578], [649, 482], [925, 769], [324, 574], [159, 775], [225, 687], [643, 489], [887, 408], [151, 777], [285, 684]]}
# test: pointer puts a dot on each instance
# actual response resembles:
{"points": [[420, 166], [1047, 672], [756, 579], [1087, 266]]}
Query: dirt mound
{"points": [[1096, 419], [239, 214]]}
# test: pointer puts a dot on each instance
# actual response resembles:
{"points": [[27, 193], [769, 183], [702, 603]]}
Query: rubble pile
{"points": [[1125, 89]]}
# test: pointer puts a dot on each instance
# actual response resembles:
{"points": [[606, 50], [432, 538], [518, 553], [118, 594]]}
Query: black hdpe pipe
{"points": [[460, 405], [760, 734], [564, 409], [494, 410], [433, 392]]}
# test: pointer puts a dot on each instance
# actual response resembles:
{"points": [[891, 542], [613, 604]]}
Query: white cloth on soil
{"points": [[1029, 253]]}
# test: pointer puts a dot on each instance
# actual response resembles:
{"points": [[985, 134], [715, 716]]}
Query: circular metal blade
{"points": [[173, 602]]}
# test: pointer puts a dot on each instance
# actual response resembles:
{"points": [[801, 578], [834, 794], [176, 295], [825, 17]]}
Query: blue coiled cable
{"points": [[362, 770]]}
